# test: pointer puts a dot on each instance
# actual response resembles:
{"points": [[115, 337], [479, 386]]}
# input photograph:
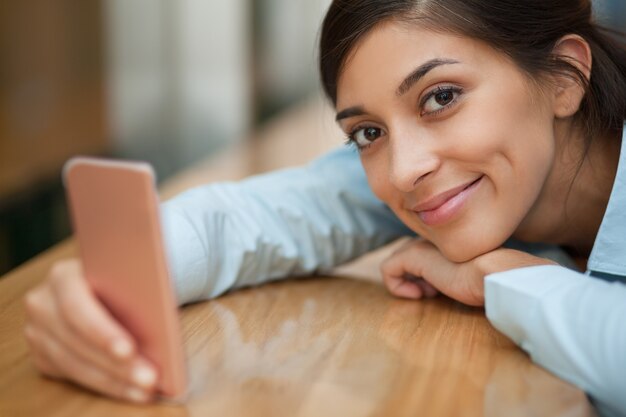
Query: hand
{"points": [[72, 336], [419, 270]]}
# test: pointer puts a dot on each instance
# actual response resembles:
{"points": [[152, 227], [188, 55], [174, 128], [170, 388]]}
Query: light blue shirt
{"points": [[305, 220], [290, 222]]}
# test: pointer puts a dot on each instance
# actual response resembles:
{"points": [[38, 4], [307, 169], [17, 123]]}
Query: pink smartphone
{"points": [[115, 214]]}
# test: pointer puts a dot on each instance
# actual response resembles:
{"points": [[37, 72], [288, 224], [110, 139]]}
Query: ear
{"points": [[569, 92]]}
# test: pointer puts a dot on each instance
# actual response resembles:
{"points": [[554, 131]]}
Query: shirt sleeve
{"points": [[570, 323], [290, 222]]}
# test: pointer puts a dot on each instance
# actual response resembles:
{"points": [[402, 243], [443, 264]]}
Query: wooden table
{"points": [[305, 347]]}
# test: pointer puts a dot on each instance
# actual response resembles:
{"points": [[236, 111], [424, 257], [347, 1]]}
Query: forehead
{"points": [[392, 50]]}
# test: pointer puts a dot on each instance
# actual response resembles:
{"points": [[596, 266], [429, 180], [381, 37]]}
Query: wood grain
{"points": [[317, 346]]}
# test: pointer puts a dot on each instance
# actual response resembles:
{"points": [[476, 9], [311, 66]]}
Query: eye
{"points": [[439, 99], [363, 137]]}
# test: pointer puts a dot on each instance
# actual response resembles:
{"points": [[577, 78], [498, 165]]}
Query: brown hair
{"points": [[527, 31]]}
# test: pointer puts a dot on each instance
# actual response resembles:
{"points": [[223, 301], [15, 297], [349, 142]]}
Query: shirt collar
{"points": [[609, 250]]}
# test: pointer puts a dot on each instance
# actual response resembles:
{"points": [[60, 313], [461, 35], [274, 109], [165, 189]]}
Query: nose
{"points": [[411, 159]]}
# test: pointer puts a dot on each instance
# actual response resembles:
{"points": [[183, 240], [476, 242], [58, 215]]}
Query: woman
{"points": [[477, 122]]}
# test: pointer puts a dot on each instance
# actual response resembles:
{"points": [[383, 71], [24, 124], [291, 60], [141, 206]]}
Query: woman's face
{"points": [[452, 135]]}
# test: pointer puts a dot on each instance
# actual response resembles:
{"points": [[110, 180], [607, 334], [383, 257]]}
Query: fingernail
{"points": [[144, 376], [121, 348], [135, 394]]}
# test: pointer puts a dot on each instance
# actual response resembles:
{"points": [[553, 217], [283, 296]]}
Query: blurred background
{"points": [[165, 81], [159, 80]]}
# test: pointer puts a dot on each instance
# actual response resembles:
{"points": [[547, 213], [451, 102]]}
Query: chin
{"points": [[463, 250], [476, 237]]}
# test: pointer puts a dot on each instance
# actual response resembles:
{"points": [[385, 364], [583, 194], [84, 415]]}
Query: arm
{"points": [[290, 222], [569, 323], [218, 237]]}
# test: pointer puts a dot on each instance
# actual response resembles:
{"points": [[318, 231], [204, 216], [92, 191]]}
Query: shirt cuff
{"points": [[513, 299]]}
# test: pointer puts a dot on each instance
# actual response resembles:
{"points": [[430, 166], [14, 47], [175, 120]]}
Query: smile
{"points": [[443, 207]]}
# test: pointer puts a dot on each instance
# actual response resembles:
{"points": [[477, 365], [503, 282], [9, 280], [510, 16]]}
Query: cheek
{"points": [[529, 174], [470, 138], [512, 142], [377, 171], [498, 121]]}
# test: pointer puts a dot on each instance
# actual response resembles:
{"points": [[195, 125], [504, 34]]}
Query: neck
{"points": [[571, 205]]}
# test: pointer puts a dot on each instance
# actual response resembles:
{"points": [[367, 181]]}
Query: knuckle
{"points": [[33, 302], [58, 268], [386, 269], [389, 281], [477, 289], [473, 288], [63, 271], [58, 273]]}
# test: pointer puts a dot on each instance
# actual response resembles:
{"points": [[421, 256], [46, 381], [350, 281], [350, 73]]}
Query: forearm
{"points": [[286, 223]]}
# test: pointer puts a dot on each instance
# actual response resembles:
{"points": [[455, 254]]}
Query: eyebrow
{"points": [[420, 72], [350, 112], [404, 87]]}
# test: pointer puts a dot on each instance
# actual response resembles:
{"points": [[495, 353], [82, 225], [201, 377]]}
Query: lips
{"points": [[442, 207]]}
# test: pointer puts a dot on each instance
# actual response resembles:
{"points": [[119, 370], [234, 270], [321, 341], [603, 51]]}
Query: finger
{"points": [[408, 264], [427, 289], [456, 280], [400, 266], [48, 318], [405, 289], [422, 259], [398, 278], [83, 373], [395, 279], [86, 315]]}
